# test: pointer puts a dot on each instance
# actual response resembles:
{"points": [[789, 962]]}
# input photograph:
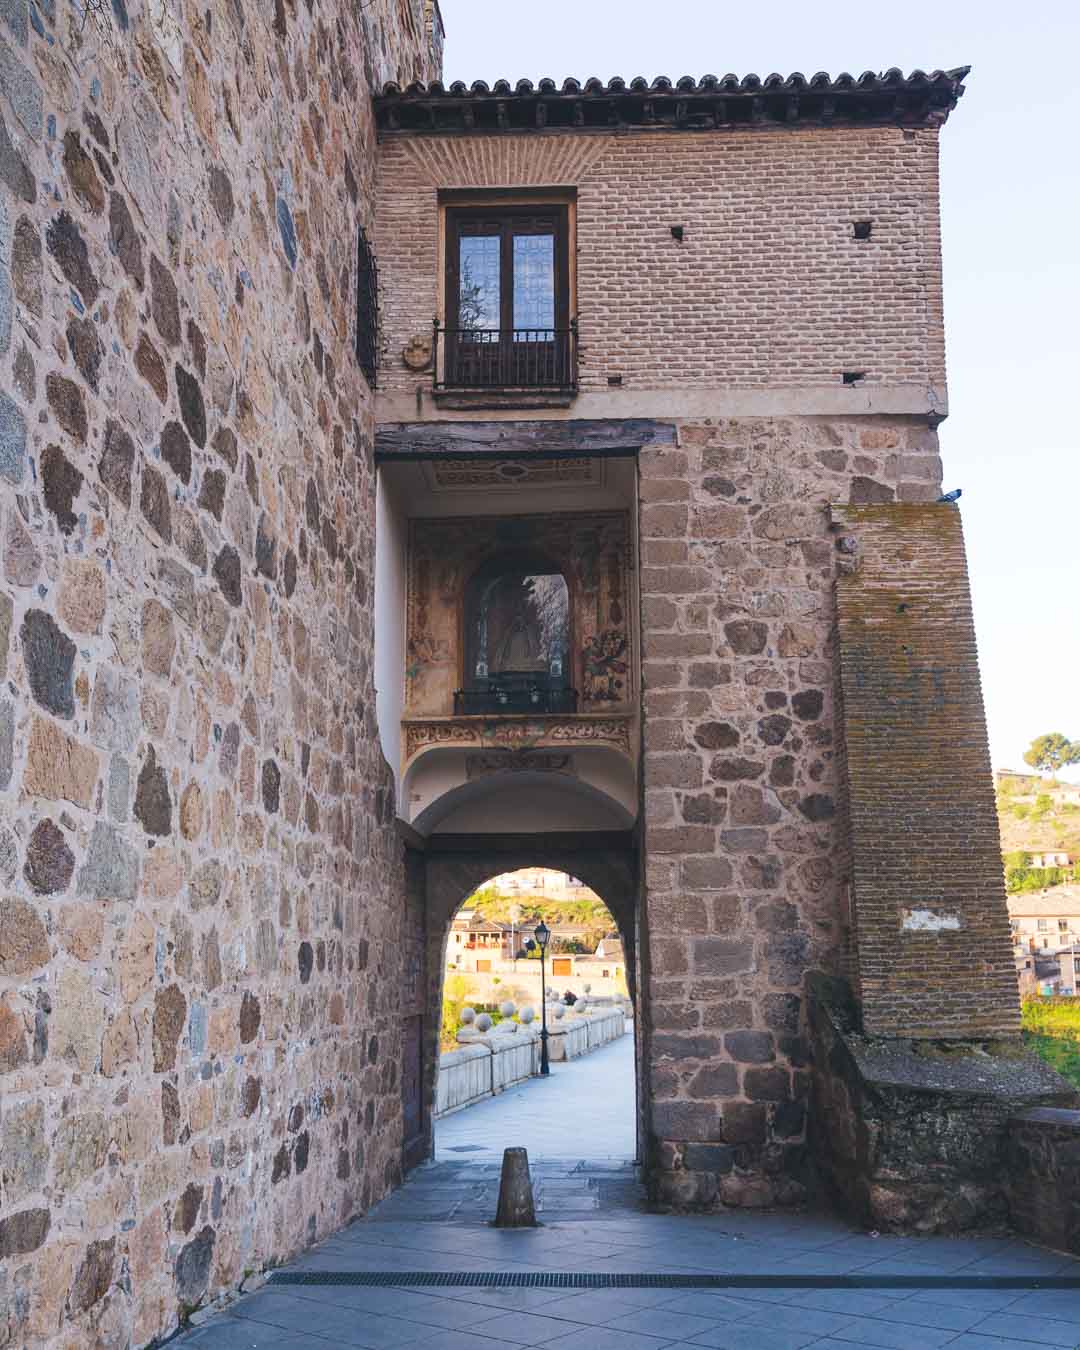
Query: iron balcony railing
{"points": [[470, 702], [538, 359]]}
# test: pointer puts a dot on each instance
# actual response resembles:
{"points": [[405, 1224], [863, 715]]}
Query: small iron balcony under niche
{"points": [[496, 700], [493, 360]]}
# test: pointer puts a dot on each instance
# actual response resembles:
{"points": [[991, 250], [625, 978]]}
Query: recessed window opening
{"points": [[517, 639], [853, 376], [863, 229], [507, 298]]}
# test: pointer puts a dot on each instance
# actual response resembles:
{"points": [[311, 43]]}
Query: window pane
{"points": [[534, 281], [478, 296]]}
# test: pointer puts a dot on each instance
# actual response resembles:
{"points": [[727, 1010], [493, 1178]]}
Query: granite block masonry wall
{"points": [[1043, 1171], [747, 862], [199, 886], [928, 888]]}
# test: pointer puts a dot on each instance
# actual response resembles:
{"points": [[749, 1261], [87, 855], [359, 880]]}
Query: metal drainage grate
{"points": [[488, 1279]]}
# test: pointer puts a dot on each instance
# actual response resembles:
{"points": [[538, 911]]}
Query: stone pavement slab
{"points": [[587, 1104], [594, 1221]]}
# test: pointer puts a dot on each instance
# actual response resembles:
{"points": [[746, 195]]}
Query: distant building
{"points": [[559, 887], [1050, 858], [1049, 973], [1045, 920], [477, 945]]}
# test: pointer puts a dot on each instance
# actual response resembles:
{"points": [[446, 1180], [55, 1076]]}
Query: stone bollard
{"points": [[515, 1192]]}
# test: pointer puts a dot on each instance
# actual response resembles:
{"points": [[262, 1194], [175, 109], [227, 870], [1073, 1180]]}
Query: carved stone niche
{"points": [[540, 600]]}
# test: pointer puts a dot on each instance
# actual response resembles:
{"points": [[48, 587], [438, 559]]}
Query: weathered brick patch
{"points": [[932, 929]]}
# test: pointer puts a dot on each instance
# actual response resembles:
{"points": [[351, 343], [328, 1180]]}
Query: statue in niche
{"points": [[519, 648]]}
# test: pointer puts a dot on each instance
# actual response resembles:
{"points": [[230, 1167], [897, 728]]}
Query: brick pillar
{"points": [[933, 954]]}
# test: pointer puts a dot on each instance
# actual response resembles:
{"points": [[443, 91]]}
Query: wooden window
{"points": [[561, 965], [507, 298], [483, 967]]}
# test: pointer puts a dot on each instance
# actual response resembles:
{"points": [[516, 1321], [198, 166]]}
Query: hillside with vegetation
{"points": [[1040, 815], [1052, 1030], [592, 913], [1037, 822]]}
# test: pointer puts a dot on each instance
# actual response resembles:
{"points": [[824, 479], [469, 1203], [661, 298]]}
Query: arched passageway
{"points": [[444, 870]]}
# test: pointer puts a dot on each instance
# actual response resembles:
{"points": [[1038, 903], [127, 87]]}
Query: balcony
{"points": [[503, 700], [523, 361]]}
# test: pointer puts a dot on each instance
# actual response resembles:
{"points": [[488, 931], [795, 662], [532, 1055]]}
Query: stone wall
{"points": [[916, 1136], [1043, 1168], [200, 892], [745, 832]]}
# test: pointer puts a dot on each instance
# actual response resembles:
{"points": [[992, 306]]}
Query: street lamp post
{"points": [[542, 934]]}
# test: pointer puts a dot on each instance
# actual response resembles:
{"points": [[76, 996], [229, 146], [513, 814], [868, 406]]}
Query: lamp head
{"points": [[542, 933]]}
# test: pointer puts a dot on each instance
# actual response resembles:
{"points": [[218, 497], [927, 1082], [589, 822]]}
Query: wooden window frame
{"points": [[504, 216]]}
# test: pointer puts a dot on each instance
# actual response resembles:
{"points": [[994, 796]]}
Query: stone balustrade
{"points": [[489, 1059]]}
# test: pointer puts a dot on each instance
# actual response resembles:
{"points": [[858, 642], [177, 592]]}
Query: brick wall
{"points": [[199, 882], [769, 287], [744, 828], [934, 952]]}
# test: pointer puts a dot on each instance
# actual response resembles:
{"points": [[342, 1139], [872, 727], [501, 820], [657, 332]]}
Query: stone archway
{"points": [[445, 869]]}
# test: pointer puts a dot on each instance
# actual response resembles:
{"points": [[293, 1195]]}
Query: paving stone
{"points": [[1038, 1330]]}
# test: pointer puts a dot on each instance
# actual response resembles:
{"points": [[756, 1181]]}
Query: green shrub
{"points": [[1052, 1029]]}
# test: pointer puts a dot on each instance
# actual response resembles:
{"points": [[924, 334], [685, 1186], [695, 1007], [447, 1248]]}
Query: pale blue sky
{"points": [[1011, 207]]}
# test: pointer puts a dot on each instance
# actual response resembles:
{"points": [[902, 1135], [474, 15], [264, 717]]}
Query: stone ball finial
{"points": [[468, 1017], [526, 1015], [507, 1008], [581, 1005], [559, 1010], [483, 1023], [588, 988]]}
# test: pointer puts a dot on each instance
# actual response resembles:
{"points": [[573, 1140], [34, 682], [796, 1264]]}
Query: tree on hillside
{"points": [[1052, 752]]}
